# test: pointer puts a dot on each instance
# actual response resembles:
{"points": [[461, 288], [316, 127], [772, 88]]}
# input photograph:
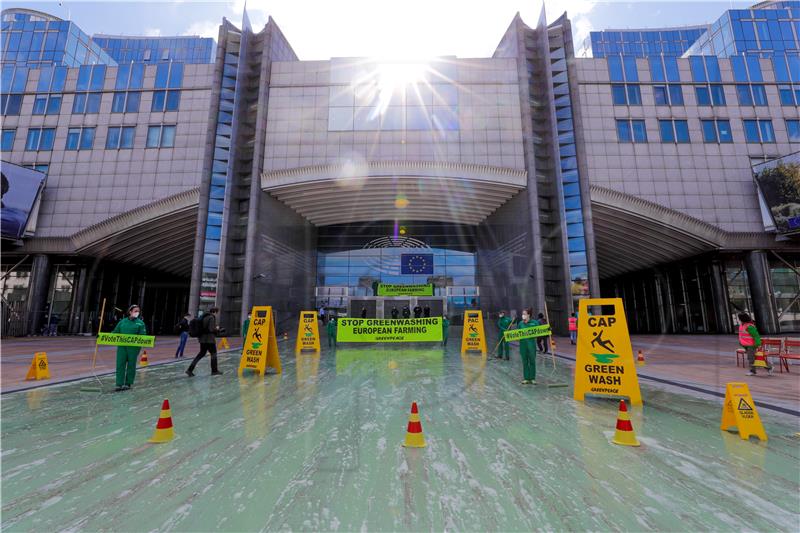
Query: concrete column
{"points": [[760, 281], [37, 293], [720, 294]]}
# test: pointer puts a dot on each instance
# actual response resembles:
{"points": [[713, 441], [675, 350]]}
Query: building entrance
{"points": [[384, 306]]}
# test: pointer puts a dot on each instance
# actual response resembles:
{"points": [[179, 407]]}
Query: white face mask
{"points": [[525, 318], [135, 314]]}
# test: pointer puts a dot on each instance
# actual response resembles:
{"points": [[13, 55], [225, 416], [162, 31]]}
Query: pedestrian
{"points": [[573, 328], [445, 330], [395, 313], [208, 342], [417, 311], [331, 328], [503, 324], [406, 312], [127, 355], [750, 340], [322, 314], [246, 326], [527, 349], [426, 311], [542, 343], [183, 330], [363, 312]]}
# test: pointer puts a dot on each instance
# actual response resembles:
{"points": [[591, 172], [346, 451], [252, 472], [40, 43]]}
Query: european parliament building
{"points": [[658, 165]]}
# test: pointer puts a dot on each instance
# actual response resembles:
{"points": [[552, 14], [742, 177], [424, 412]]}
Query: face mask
{"points": [[135, 314], [525, 317]]}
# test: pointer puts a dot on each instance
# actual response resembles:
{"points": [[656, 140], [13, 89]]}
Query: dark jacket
{"points": [[209, 330]]}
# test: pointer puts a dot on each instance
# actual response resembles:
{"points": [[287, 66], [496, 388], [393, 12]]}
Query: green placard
{"points": [[387, 330], [527, 333], [120, 339], [389, 289]]}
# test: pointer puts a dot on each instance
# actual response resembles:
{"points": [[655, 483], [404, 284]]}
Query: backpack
{"points": [[196, 327]]}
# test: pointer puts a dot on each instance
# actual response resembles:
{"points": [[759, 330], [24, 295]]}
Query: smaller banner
{"points": [[388, 330], [39, 368], [388, 289], [739, 412], [260, 348], [307, 332], [604, 362], [527, 333], [473, 338], [121, 339]]}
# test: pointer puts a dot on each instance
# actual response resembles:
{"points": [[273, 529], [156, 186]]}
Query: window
{"points": [[91, 78], [46, 105], [626, 94], [759, 95], [675, 94], [717, 131], [622, 68], [639, 131], [790, 96], [160, 136], [127, 102], [169, 76], [702, 95], [79, 139], [120, 137], [717, 95], [744, 94], [759, 131], [792, 130], [40, 139], [8, 140], [165, 101], [10, 104], [660, 95], [674, 131], [624, 131], [86, 103]]}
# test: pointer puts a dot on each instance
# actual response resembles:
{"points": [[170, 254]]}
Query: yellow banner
{"points": [[739, 412], [39, 368], [604, 363], [307, 332], [473, 337], [260, 348]]}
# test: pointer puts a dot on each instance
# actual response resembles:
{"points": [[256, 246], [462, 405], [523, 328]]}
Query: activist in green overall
{"points": [[127, 355], [503, 324], [527, 349], [445, 330], [331, 327]]}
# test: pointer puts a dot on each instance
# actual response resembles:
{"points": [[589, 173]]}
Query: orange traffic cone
{"points": [[414, 436], [624, 434], [640, 358], [761, 360], [143, 360], [164, 431]]}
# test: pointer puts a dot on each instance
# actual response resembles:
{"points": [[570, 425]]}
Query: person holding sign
{"points": [[331, 328], [127, 355], [503, 324], [527, 349]]}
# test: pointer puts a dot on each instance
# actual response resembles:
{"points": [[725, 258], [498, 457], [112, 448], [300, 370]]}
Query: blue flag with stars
{"points": [[416, 264]]}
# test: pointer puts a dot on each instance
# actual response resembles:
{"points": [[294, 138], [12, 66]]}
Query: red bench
{"points": [[771, 348], [791, 350]]}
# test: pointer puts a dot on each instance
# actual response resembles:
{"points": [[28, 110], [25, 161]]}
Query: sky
{"points": [[403, 29]]}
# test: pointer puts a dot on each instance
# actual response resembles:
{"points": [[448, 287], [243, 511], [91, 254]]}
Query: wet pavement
{"points": [[319, 448]]}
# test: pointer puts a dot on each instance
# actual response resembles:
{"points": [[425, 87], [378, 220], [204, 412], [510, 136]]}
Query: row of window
{"points": [[118, 137], [714, 131], [706, 95], [89, 103], [704, 69]]}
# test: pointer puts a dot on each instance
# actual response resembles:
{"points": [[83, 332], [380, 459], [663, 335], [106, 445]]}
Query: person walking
{"points": [[503, 324], [445, 330], [750, 340], [183, 331], [542, 343], [527, 349], [573, 328], [208, 342], [322, 314], [331, 328], [128, 355]]}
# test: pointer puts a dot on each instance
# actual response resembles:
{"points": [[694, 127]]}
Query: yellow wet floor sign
{"points": [[224, 344], [260, 348], [473, 337], [604, 363], [739, 412], [307, 332], [39, 368]]}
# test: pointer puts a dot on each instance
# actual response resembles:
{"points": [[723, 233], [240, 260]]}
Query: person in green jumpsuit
{"points": [[245, 327], [127, 355], [445, 330], [503, 324], [331, 327], [527, 349]]}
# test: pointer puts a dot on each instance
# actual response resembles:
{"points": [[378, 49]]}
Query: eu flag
{"points": [[416, 264]]}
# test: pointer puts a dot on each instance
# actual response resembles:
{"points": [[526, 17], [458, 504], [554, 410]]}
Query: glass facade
{"points": [[30, 39], [186, 49], [644, 43]]}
